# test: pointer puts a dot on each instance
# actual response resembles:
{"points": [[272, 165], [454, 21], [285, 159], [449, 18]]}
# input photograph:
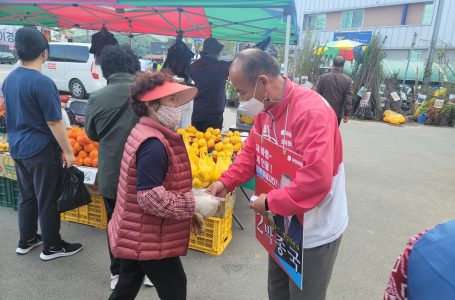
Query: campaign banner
{"points": [[281, 236], [8, 35]]}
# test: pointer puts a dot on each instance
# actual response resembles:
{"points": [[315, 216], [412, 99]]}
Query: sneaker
{"points": [[26, 247], [147, 282], [114, 280], [65, 249]]}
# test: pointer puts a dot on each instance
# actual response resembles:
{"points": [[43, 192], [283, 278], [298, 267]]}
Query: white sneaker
{"points": [[114, 280], [147, 282]]}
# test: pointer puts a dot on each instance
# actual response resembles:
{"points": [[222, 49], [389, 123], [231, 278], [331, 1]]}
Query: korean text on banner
{"points": [[281, 236], [8, 34]]}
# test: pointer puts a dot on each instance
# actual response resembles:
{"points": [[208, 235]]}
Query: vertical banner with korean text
{"points": [[8, 34], [281, 236]]}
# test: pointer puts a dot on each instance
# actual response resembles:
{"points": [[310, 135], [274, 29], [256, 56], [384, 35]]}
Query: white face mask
{"points": [[169, 116], [251, 107]]}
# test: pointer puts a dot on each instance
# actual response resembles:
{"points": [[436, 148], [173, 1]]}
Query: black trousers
{"points": [[214, 120], [38, 178], [166, 274], [115, 262]]}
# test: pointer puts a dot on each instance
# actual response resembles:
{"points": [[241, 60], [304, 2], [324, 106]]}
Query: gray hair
{"points": [[255, 62]]}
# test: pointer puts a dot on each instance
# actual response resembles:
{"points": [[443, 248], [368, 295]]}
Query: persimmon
{"points": [[89, 147], [94, 154], [88, 162], [83, 154], [77, 148], [82, 139], [79, 161]]}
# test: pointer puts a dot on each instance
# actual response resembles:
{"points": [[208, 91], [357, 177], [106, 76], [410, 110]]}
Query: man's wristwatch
{"points": [[266, 205]]}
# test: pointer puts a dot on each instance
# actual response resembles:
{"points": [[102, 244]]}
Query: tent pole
{"points": [[130, 32], [286, 48]]}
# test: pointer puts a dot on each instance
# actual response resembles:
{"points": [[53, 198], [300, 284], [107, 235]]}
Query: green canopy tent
{"points": [[232, 20]]}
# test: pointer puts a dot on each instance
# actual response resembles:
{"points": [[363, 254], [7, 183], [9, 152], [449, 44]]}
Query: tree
{"points": [[307, 61]]}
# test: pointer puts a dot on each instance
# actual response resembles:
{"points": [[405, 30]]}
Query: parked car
{"points": [[6, 58], [73, 69]]}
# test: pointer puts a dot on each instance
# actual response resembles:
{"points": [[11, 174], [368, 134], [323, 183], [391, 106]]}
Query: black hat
{"points": [[212, 46], [30, 43]]}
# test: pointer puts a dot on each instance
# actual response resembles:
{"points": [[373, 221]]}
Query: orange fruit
{"points": [[79, 161], [77, 147], [88, 162], [83, 154], [89, 148], [72, 141], [94, 154], [95, 162]]}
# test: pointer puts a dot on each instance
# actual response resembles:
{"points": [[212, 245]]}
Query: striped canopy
{"points": [[235, 20]]}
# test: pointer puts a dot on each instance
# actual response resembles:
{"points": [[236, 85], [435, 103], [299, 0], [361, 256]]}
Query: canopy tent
{"points": [[440, 73], [234, 20]]}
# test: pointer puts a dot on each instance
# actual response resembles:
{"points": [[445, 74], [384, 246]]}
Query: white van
{"points": [[73, 69]]}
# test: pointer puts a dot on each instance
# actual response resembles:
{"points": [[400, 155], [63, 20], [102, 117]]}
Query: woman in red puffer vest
{"points": [[150, 226]]}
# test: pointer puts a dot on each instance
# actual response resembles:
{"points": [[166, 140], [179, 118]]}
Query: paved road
{"points": [[400, 180]]}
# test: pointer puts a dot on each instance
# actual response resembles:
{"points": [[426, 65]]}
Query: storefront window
{"points": [[316, 22], [428, 14], [351, 19]]}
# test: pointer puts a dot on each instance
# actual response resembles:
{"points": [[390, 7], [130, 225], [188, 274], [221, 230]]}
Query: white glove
{"points": [[206, 205]]}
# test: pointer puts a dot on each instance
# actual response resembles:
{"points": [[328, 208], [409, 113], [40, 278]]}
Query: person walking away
{"points": [[37, 136], [150, 226], [299, 120], [336, 88], [109, 119], [209, 75]]}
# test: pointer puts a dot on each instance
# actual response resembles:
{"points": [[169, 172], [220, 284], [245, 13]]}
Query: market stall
{"points": [[230, 20]]}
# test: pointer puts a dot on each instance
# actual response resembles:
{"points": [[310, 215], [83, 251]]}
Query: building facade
{"points": [[402, 22]]}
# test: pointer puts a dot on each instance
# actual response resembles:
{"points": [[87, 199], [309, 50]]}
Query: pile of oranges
{"points": [[85, 150]]}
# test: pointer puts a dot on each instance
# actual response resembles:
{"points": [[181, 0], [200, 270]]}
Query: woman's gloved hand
{"points": [[206, 205]]}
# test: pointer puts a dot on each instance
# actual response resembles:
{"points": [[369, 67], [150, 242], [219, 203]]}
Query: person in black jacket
{"points": [[209, 75], [99, 40]]}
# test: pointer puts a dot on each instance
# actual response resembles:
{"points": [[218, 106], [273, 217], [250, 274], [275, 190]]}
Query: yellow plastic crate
{"points": [[217, 235], [93, 214]]}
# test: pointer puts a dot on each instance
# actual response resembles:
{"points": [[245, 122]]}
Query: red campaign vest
{"points": [[133, 234]]}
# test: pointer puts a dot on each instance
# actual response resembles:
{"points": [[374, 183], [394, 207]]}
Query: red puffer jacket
{"points": [[133, 234]]}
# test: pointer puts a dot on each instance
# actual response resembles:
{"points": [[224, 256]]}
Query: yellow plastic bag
{"points": [[393, 117]]}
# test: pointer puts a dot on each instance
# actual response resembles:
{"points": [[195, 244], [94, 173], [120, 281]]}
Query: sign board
{"points": [[365, 100], [421, 99], [438, 103], [281, 236], [363, 37], [361, 92], [452, 99], [89, 174], [197, 40], [395, 96], [8, 35]]}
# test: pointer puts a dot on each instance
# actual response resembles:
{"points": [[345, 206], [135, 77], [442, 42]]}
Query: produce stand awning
{"points": [[234, 20]]}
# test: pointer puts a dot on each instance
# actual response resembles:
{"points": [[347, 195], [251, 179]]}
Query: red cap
{"points": [[184, 93]]}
